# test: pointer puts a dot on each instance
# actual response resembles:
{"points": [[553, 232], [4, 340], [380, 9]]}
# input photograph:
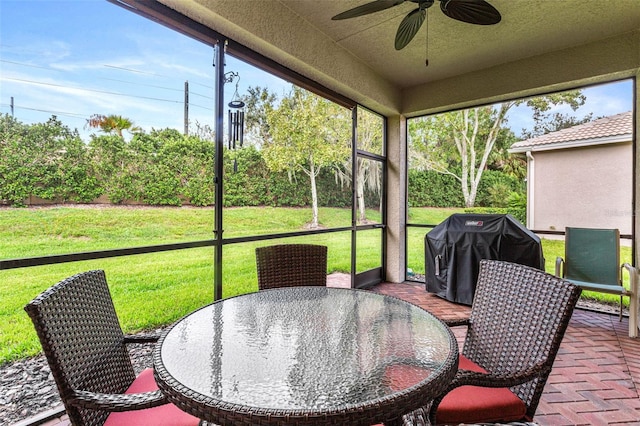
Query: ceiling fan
{"points": [[477, 12]]}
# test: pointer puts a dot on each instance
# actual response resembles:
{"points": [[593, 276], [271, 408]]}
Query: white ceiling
{"points": [[528, 28]]}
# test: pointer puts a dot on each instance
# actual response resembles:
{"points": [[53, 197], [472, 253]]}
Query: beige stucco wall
{"points": [[582, 187]]}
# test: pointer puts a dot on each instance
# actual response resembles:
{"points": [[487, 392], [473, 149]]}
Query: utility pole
{"points": [[12, 106], [186, 108]]}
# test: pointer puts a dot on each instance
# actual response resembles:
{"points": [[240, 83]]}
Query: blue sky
{"points": [[602, 100], [81, 57]]}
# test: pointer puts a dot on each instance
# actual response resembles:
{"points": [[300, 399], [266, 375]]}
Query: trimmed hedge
{"points": [[46, 160], [163, 167], [431, 189]]}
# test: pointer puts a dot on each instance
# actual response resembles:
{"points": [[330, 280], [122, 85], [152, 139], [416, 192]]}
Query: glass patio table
{"points": [[305, 356]]}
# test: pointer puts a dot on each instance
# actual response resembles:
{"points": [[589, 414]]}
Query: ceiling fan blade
{"points": [[409, 27], [477, 12], [365, 9]]}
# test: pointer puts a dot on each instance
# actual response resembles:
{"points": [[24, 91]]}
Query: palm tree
{"points": [[112, 124]]}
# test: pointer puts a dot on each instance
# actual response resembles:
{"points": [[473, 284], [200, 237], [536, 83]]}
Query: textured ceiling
{"points": [[528, 28]]}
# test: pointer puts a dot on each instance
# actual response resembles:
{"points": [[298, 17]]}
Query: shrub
{"points": [[486, 210], [517, 202], [432, 189], [164, 167], [495, 187], [46, 160], [518, 213]]}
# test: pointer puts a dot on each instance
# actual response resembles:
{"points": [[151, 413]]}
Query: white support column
{"points": [[531, 195], [396, 262]]}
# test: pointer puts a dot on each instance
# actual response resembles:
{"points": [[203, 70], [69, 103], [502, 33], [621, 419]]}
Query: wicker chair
{"points": [[518, 319], [85, 348], [289, 265]]}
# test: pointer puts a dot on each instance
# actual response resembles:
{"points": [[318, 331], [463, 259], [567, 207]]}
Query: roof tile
{"points": [[614, 125]]}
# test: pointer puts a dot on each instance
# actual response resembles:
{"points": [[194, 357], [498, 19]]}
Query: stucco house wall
{"points": [[583, 187], [581, 176]]}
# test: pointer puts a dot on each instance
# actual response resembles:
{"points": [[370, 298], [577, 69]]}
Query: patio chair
{"points": [[592, 261], [85, 348], [288, 265], [517, 321]]}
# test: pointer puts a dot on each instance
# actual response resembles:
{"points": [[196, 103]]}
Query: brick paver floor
{"points": [[596, 375]]}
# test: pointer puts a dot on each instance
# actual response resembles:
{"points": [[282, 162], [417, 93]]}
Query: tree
{"points": [[460, 143], [112, 124], [201, 131], [557, 121], [307, 133], [258, 102], [368, 172]]}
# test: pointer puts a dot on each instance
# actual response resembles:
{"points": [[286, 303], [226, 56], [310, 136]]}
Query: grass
{"points": [[152, 290], [431, 215]]}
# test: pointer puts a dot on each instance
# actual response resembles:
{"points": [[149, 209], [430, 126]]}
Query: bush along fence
{"points": [[48, 161]]}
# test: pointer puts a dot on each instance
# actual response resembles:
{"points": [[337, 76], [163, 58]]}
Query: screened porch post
{"points": [[219, 167], [396, 262]]}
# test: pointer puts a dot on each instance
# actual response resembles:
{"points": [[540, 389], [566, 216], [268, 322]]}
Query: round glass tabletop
{"points": [[302, 350]]}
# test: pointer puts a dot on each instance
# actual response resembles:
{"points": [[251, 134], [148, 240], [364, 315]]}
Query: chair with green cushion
{"points": [[592, 261]]}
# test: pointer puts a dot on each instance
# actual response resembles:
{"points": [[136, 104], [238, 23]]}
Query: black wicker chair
{"points": [[85, 348], [518, 319], [289, 265]]}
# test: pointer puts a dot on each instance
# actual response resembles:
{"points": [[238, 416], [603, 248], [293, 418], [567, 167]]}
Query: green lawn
{"points": [[151, 290]]}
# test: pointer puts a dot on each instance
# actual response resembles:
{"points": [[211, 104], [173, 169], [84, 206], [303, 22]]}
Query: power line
{"points": [[151, 73], [157, 87], [25, 65], [91, 90], [73, 114], [200, 106], [132, 70], [67, 114], [103, 91], [121, 81], [154, 74], [141, 84], [204, 85], [70, 114]]}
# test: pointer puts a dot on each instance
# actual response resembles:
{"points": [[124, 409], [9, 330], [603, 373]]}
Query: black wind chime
{"points": [[236, 118]]}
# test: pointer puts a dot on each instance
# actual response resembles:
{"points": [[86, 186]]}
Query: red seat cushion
{"points": [[475, 404], [164, 415]]}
